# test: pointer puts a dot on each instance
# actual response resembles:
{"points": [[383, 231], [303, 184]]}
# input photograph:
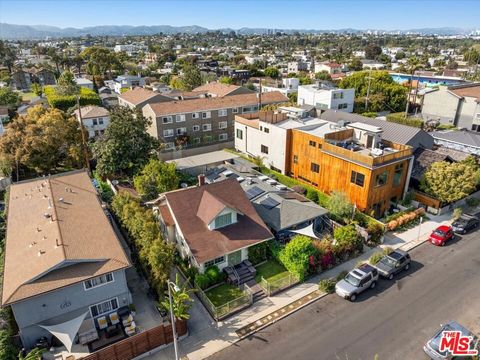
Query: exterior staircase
{"points": [[241, 273]]}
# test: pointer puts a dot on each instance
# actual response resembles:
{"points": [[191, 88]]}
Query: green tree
{"points": [[272, 72], [225, 80], [450, 182], [35, 354], [101, 61], [43, 140], [126, 146], [296, 254], [66, 84], [9, 98], [472, 56], [372, 51], [37, 89], [181, 300], [356, 64], [191, 77], [7, 56], [155, 178], [340, 206], [323, 75]]}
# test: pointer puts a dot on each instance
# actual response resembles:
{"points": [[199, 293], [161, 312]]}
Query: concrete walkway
{"points": [[208, 337]]}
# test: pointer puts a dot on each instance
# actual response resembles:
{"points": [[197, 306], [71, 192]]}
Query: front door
{"points": [[234, 258]]}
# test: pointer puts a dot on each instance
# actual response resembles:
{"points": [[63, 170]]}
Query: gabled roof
{"points": [[92, 112], [187, 204], [186, 106], [57, 235], [217, 88], [462, 137], [139, 95], [424, 158], [470, 90]]}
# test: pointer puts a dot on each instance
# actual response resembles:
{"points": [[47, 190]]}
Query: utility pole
{"points": [[409, 91], [84, 141]]}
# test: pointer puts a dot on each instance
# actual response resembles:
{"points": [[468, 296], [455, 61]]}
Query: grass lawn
{"points": [[28, 96], [223, 294], [271, 270]]}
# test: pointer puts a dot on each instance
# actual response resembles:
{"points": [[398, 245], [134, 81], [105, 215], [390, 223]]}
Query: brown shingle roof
{"points": [[92, 112], [176, 107], [138, 95], [217, 88], [51, 222], [470, 91], [208, 244]]}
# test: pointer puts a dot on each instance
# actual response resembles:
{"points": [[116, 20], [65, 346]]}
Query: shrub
{"points": [[327, 286], [214, 275], [472, 201], [339, 205], [347, 240], [375, 230], [400, 118], [257, 253], [375, 258], [387, 250], [457, 212], [296, 254], [202, 281], [312, 195], [65, 102]]}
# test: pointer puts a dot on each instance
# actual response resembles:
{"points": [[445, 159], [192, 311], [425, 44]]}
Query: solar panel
{"points": [[254, 192], [269, 203]]}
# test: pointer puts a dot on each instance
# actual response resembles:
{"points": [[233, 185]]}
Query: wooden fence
{"points": [[139, 344], [427, 200]]}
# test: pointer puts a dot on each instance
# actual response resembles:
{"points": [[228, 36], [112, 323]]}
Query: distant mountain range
{"points": [[36, 32]]}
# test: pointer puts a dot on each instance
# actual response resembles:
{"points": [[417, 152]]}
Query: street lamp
{"points": [[419, 227], [172, 316]]}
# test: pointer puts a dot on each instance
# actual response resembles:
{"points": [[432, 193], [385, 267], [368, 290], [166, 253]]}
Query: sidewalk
{"points": [[207, 338]]}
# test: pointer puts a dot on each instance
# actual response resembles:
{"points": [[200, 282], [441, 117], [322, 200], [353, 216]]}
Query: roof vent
{"points": [[46, 215], [32, 244], [41, 252], [61, 199], [38, 229]]}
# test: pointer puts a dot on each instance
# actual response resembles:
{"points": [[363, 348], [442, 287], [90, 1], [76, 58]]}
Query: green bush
{"points": [[370, 114], [375, 258], [65, 102], [387, 250], [257, 253], [376, 231], [457, 212], [327, 286], [296, 254], [400, 118], [340, 206], [347, 240], [312, 195], [472, 201], [214, 275], [202, 281], [445, 127]]}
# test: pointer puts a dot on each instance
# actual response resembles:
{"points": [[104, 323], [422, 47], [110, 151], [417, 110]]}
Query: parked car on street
{"points": [[465, 223], [393, 263], [432, 347], [356, 281], [441, 235]]}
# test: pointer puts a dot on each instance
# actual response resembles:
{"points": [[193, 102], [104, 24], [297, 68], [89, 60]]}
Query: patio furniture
{"points": [[131, 329], [126, 322], [114, 318], [87, 332], [112, 331], [102, 322]]}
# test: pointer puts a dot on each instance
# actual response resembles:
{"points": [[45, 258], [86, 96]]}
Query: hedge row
{"points": [[65, 102], [400, 118]]}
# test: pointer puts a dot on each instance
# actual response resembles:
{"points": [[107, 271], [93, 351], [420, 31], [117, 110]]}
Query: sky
{"points": [[280, 14]]}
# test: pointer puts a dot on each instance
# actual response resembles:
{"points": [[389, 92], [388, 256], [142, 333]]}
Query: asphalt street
{"points": [[393, 321]]}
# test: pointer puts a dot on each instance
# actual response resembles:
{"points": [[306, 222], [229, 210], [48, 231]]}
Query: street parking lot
{"points": [[393, 321]]}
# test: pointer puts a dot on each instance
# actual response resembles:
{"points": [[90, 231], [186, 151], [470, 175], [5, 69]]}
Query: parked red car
{"points": [[441, 235]]}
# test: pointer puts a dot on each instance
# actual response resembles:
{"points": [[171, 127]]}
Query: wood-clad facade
{"points": [[369, 182]]}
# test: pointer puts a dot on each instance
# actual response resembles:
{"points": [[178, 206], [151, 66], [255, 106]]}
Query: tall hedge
{"points": [[65, 102]]}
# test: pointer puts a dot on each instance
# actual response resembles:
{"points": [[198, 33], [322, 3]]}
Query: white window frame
{"points": [[209, 127], [100, 121], [228, 215], [180, 118], [168, 131], [222, 124], [98, 285], [196, 128], [168, 119], [103, 302], [222, 112], [195, 115], [206, 114], [197, 140], [182, 131], [223, 137], [235, 110]]}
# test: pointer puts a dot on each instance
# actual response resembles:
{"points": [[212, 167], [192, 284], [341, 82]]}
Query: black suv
{"points": [[393, 263], [465, 223]]}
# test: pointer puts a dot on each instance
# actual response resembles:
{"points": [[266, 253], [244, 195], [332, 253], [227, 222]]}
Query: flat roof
{"points": [[203, 159]]}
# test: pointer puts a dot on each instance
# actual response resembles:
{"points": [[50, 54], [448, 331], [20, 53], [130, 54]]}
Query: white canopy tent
{"points": [[66, 332], [307, 230]]}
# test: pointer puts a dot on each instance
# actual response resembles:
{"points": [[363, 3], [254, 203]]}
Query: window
{"points": [[264, 149], [169, 146], [223, 137], [196, 141], [222, 125], [222, 112], [104, 307], [95, 122], [218, 260], [295, 159], [196, 128], [167, 119], [235, 110], [476, 128], [207, 127], [381, 179], [195, 116], [239, 134], [342, 106], [312, 143], [180, 118], [267, 130], [223, 220], [357, 178], [168, 133], [206, 115], [338, 95], [100, 121], [180, 131], [315, 168], [98, 281], [397, 176]]}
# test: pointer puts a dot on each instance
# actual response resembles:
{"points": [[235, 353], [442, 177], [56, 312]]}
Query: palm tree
{"points": [[413, 64], [181, 300]]}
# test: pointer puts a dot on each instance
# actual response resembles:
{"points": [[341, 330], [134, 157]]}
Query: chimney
{"points": [[201, 180]]}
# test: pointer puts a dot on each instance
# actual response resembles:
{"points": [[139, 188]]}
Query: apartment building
{"points": [[94, 118], [324, 96], [205, 121], [138, 97]]}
